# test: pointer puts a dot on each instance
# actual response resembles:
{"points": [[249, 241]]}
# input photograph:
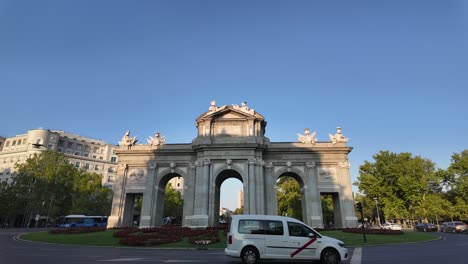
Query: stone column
{"points": [[312, 197], [189, 195], [200, 217], [271, 202], [118, 200], [148, 197], [349, 218], [260, 191], [251, 185]]}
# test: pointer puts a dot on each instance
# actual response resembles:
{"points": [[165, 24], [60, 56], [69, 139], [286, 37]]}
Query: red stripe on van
{"points": [[303, 247]]}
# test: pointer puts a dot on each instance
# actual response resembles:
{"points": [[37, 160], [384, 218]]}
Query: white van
{"points": [[254, 237]]}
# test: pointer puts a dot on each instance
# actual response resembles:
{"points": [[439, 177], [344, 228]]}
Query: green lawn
{"points": [[95, 238], [106, 239]]}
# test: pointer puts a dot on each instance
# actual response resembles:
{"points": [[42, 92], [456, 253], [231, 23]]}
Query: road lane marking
{"points": [[122, 259], [357, 255], [180, 261]]}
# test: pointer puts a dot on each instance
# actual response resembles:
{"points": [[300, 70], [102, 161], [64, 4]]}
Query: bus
{"points": [[84, 221]]}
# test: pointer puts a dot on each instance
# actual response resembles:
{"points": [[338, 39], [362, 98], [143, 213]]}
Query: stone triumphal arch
{"points": [[231, 143]]}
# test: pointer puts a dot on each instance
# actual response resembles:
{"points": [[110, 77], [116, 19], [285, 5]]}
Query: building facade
{"points": [[231, 143], [90, 154]]}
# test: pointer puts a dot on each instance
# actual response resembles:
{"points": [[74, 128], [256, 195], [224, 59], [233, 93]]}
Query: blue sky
{"points": [[392, 74]]}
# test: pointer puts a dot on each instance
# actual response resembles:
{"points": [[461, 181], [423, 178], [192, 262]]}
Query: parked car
{"points": [[454, 227], [391, 226], [425, 227], [255, 237]]}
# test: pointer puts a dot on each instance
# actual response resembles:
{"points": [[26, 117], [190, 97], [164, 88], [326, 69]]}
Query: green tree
{"points": [[49, 184], [173, 203], [400, 182], [239, 210], [456, 180], [289, 197], [327, 209]]}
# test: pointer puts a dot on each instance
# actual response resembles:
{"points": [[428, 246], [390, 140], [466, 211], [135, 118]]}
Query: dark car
{"points": [[425, 227]]}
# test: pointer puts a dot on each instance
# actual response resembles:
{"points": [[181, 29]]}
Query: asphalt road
{"points": [[450, 249]]}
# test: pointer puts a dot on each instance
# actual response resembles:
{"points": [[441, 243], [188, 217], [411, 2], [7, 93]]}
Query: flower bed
{"points": [[373, 231], [133, 236]]}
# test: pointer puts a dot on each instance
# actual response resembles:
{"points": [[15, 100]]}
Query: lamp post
{"points": [[377, 207]]}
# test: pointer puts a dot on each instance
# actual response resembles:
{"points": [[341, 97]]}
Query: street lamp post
{"points": [[377, 207]]}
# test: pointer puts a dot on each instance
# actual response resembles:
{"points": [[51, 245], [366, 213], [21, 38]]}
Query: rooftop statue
{"points": [[244, 108], [128, 141], [338, 137], [213, 106], [307, 138], [158, 140]]}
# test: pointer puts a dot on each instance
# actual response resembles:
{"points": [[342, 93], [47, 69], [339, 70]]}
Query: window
{"points": [[274, 228], [59, 150], [76, 153], [96, 167], [96, 150], [101, 158], [87, 166], [94, 156], [250, 227], [267, 227], [7, 143], [60, 143], [86, 154], [78, 146], [50, 146], [110, 169], [13, 143], [296, 229], [70, 145], [113, 159], [77, 164]]}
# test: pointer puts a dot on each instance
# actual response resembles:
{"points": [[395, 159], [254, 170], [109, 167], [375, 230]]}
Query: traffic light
{"points": [[359, 207]]}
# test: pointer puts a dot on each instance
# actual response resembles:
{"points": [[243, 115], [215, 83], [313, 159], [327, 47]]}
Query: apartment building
{"points": [[90, 154]]}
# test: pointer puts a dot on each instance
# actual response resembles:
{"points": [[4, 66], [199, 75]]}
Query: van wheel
{"points": [[330, 256], [249, 255]]}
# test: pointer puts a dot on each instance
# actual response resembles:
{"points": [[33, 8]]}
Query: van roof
{"points": [[265, 217]]}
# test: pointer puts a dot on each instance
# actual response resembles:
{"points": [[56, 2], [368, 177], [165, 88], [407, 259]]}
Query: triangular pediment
{"points": [[229, 112]]}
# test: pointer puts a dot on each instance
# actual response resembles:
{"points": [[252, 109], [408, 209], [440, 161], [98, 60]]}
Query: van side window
{"points": [[274, 228], [250, 227], [257, 227], [296, 229]]}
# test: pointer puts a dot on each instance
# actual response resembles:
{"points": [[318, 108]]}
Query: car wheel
{"points": [[330, 256], [249, 255]]}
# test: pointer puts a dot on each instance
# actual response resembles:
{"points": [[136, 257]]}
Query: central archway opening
{"points": [[171, 193], [289, 194], [229, 196]]}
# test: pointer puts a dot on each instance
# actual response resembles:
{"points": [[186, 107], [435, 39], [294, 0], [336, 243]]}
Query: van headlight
{"points": [[341, 244]]}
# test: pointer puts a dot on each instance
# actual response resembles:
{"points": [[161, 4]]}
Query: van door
{"points": [[276, 240], [302, 241]]}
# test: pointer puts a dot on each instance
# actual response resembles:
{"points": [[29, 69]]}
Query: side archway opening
{"points": [[289, 194]]}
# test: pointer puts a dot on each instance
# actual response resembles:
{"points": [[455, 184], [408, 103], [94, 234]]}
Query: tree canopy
{"points": [[289, 197], [49, 184], [409, 187]]}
